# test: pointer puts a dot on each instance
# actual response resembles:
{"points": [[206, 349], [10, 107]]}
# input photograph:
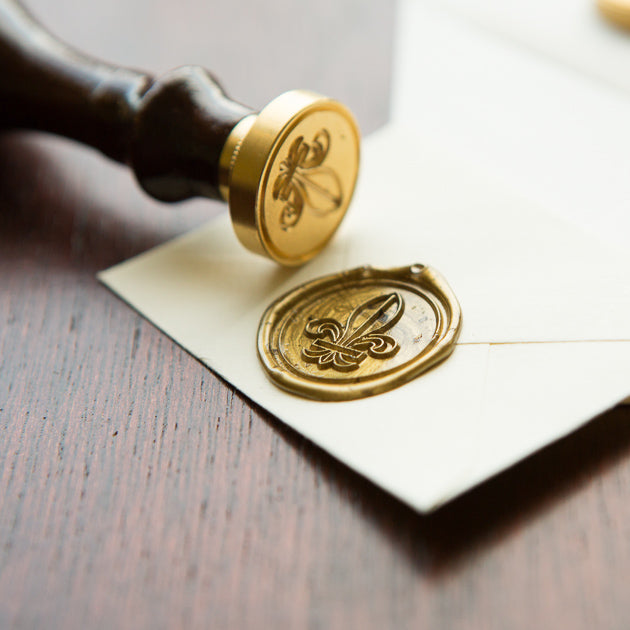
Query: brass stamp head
{"points": [[288, 174], [359, 333], [616, 11]]}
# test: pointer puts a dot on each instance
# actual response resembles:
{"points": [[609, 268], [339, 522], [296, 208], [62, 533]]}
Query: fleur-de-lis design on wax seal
{"points": [[303, 181], [343, 348]]}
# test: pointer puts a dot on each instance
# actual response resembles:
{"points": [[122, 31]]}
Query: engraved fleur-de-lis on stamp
{"points": [[305, 182], [343, 348]]}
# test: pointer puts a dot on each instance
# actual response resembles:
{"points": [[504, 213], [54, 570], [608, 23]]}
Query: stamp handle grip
{"points": [[170, 130]]}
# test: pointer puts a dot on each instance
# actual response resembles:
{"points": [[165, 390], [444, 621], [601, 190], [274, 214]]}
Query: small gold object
{"points": [[288, 174], [359, 332], [617, 11]]}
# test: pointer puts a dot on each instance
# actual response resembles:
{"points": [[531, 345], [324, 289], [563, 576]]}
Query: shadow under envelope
{"points": [[479, 519]]}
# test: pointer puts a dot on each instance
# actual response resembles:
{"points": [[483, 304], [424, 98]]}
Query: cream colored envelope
{"points": [[558, 131], [545, 344], [573, 32]]}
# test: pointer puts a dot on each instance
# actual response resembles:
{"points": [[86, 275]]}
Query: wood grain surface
{"points": [[138, 490]]}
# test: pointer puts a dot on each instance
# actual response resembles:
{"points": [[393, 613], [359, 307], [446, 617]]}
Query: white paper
{"points": [[572, 32], [559, 135], [545, 344]]}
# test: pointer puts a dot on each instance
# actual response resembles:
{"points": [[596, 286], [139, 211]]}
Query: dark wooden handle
{"points": [[170, 130]]}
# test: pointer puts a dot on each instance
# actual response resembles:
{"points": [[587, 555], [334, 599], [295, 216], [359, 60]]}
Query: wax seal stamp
{"points": [[359, 333], [288, 174]]}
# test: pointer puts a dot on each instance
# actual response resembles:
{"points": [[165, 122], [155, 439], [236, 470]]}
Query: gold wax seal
{"points": [[359, 332], [617, 11], [288, 174]]}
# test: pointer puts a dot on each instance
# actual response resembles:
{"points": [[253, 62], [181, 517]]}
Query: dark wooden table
{"points": [[138, 490]]}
